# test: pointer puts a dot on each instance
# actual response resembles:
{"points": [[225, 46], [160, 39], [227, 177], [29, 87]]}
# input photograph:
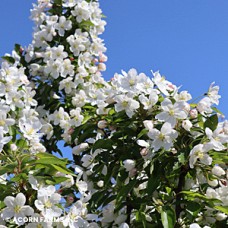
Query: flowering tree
{"points": [[143, 156]]}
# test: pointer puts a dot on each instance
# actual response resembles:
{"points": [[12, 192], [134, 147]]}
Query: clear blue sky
{"points": [[187, 40]]}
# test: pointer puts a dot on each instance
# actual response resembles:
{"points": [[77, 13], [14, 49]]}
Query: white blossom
{"points": [[204, 106], [164, 138], [150, 101], [199, 152], [3, 140], [16, 208], [126, 103], [67, 84], [47, 200], [216, 139], [213, 93], [70, 3], [30, 128], [63, 25], [172, 112]]}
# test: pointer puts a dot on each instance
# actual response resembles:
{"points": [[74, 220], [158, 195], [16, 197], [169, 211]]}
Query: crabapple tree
{"points": [[142, 153]]}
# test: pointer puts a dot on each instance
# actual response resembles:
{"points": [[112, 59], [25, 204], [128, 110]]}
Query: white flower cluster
{"points": [[77, 65], [17, 107], [75, 61]]}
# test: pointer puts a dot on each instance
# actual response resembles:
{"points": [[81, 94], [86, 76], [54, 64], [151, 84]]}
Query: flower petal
{"points": [[20, 199], [9, 201]]}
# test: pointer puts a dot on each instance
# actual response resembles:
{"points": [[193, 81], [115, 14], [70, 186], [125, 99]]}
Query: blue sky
{"points": [[186, 40]]}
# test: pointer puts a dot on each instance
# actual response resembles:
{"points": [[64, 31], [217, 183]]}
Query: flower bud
{"points": [[13, 147], [171, 87], [193, 113], [144, 151], [132, 172], [222, 182], [148, 124], [187, 125], [103, 58], [101, 67], [38, 55], [129, 164], [55, 96], [21, 50], [112, 128], [100, 184], [218, 171], [60, 191], [70, 131], [213, 183], [173, 151], [220, 216], [81, 147], [70, 199], [102, 124]]}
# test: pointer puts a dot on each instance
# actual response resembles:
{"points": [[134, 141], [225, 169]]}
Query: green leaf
{"points": [[8, 168], [86, 118], [88, 132], [17, 48], [56, 180], [89, 107], [216, 110], [97, 198], [168, 217], [21, 143], [108, 200], [58, 2], [142, 132], [211, 122], [152, 184], [111, 111], [2, 205], [63, 169], [190, 194], [141, 218], [198, 129], [193, 195], [86, 24], [218, 157], [154, 181], [223, 209], [103, 144], [45, 161], [9, 59], [13, 132], [46, 158], [193, 105], [193, 208], [19, 177], [123, 193]]}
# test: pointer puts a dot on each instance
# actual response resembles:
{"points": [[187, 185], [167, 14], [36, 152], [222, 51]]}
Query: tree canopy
{"points": [[145, 153]]}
